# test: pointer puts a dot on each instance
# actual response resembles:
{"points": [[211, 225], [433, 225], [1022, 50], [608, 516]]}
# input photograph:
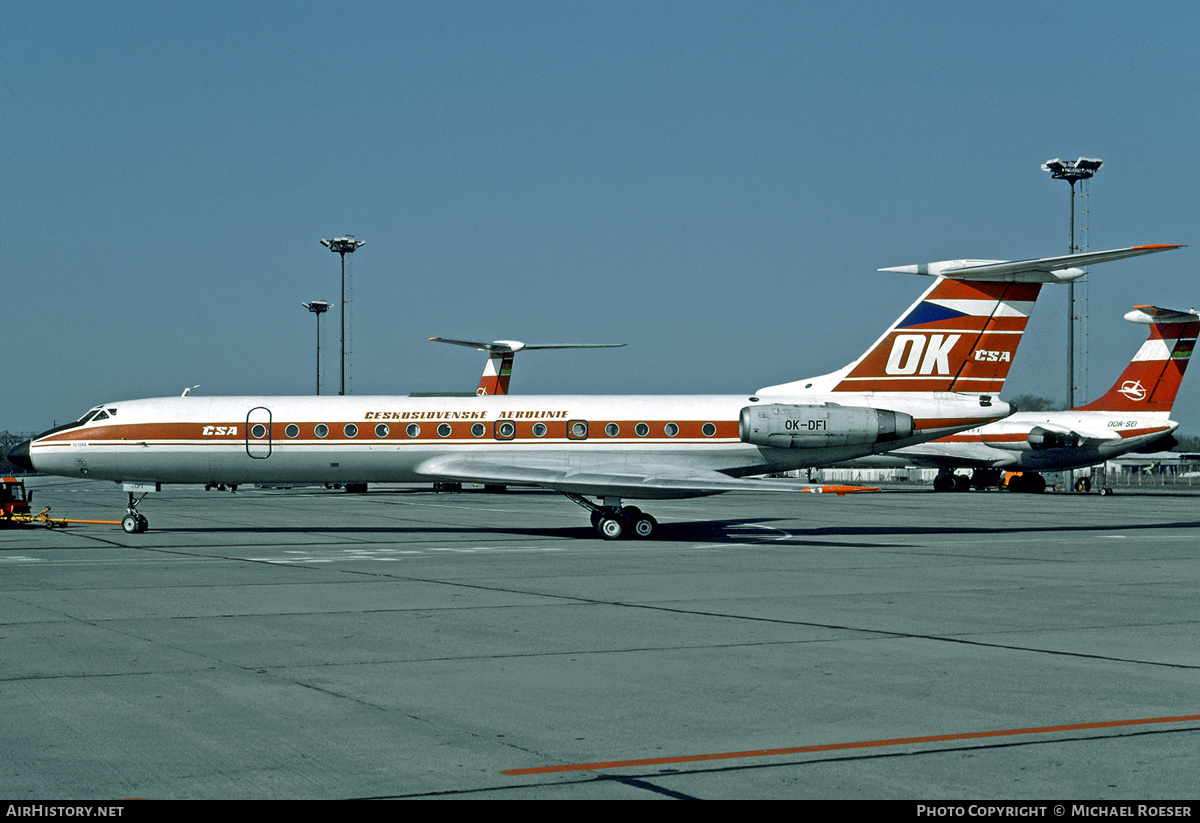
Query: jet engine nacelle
{"points": [[1040, 439], [785, 426]]}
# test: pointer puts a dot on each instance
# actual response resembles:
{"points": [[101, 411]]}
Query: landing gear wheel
{"points": [[645, 526], [596, 515], [1106, 491], [610, 528], [962, 483], [134, 523], [943, 483]]}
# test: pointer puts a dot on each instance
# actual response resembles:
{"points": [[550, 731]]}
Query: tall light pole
{"points": [[318, 307], [1072, 171], [343, 246]]}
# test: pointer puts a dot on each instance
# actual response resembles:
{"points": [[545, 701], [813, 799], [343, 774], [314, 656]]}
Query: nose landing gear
{"points": [[134, 522]]}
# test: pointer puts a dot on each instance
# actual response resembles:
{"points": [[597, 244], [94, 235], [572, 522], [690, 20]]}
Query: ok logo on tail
{"points": [[907, 350]]}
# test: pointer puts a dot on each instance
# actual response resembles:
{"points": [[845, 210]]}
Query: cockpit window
{"points": [[96, 413]]}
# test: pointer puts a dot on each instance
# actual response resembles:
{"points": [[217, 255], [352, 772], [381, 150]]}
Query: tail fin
{"points": [[1151, 380], [496, 373], [959, 337], [962, 334]]}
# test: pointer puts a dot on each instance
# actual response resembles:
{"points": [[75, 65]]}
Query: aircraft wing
{"points": [[642, 482]]}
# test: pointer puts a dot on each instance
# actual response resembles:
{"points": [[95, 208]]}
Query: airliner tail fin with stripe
{"points": [[1152, 379], [961, 335]]}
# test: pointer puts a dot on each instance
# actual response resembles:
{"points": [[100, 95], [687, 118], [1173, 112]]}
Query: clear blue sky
{"points": [[714, 184]]}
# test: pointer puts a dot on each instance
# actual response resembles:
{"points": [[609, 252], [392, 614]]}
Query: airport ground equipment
{"points": [[14, 502]]}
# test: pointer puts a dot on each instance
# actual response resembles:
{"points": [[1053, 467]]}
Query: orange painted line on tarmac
{"points": [[832, 747]]}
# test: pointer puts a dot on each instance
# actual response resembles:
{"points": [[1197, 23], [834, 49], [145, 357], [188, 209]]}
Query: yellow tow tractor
{"points": [[15, 508]]}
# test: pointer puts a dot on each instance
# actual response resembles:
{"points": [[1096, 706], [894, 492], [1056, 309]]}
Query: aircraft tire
{"points": [[1106, 491], [943, 483], [645, 527], [961, 483], [133, 524], [611, 528]]}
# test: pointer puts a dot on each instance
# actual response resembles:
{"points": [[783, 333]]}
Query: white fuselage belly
{"points": [[202, 440]]}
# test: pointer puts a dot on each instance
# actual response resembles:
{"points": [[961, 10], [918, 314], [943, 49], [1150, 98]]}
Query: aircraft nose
{"points": [[19, 456]]}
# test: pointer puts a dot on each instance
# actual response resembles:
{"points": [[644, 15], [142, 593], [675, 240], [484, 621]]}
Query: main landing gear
{"points": [[1024, 482], [948, 481], [613, 521]]}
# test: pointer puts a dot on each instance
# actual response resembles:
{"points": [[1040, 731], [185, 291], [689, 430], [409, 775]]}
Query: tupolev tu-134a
{"points": [[937, 370]]}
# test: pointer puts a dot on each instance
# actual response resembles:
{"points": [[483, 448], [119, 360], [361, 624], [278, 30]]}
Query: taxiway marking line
{"points": [[831, 747]]}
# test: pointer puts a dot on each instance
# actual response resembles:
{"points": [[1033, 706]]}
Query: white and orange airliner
{"points": [[1132, 416], [935, 371]]}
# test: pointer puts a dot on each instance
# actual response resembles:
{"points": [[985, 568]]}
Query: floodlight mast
{"points": [[318, 307], [1072, 171], [343, 246]]}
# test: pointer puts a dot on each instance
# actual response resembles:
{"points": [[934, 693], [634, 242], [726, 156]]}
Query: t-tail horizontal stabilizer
{"points": [[497, 372]]}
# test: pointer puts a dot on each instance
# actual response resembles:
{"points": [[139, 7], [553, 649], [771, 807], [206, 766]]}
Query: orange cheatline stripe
{"points": [[831, 747]]}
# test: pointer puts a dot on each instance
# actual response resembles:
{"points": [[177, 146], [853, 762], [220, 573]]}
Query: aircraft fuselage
{"points": [[234, 440]]}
